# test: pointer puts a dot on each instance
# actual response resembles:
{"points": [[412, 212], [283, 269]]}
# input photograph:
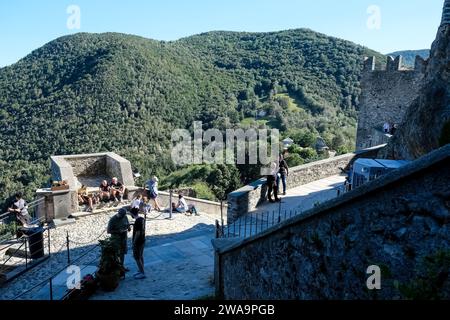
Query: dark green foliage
{"points": [[223, 179], [126, 94], [432, 282]]}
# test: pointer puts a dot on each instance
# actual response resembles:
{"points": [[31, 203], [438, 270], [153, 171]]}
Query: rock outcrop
{"points": [[426, 125]]}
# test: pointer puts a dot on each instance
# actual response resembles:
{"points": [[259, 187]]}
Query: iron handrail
{"points": [[30, 205], [56, 273], [49, 279]]}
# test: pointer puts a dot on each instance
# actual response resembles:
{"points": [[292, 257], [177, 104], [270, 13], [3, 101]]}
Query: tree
{"points": [[224, 179]]}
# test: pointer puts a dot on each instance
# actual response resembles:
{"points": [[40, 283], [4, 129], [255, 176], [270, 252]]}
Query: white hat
{"points": [[155, 178]]}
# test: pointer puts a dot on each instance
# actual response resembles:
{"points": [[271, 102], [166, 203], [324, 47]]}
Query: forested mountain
{"points": [[409, 56], [122, 93]]}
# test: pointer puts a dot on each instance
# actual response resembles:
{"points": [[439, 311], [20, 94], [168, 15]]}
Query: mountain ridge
{"points": [[125, 93]]}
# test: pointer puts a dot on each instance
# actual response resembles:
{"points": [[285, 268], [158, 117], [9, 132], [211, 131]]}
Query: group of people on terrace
{"points": [[113, 191], [119, 224]]}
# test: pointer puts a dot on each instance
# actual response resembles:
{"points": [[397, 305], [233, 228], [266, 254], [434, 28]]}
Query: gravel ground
{"points": [[84, 236]]}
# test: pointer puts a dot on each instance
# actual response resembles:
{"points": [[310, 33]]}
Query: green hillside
{"points": [[122, 93]]}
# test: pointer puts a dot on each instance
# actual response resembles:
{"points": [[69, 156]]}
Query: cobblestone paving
{"points": [[84, 236]]}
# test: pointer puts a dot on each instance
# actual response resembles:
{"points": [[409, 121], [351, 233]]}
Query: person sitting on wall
{"points": [[394, 129], [117, 190], [20, 208], [181, 206], [146, 206], [85, 199], [136, 205], [105, 191]]}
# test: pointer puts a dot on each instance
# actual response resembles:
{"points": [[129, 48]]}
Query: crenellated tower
{"points": [[446, 13]]}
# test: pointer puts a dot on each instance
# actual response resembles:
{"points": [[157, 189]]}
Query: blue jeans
{"points": [[283, 180]]}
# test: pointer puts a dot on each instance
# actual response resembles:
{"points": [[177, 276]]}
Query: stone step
{"points": [[13, 269], [105, 209], [17, 251], [63, 222]]}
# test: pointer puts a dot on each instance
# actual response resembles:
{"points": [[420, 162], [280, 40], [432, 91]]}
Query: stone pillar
{"points": [[119, 167], [62, 170], [369, 63], [393, 64]]}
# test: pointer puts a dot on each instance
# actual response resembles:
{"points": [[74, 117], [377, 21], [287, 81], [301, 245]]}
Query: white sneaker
{"points": [[139, 276]]}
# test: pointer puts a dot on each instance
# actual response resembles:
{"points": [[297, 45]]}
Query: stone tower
{"points": [[426, 124], [446, 13], [385, 97]]}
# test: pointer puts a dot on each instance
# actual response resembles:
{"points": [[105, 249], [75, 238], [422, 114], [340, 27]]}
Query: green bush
{"points": [[294, 160], [308, 153], [203, 191]]}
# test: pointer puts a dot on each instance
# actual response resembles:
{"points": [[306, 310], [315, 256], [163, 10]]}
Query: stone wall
{"points": [[426, 125], [399, 222], [210, 207], [385, 97], [99, 165], [248, 198], [88, 166], [86, 169]]}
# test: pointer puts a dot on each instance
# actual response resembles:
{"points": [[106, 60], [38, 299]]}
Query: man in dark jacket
{"points": [[138, 245], [118, 228]]}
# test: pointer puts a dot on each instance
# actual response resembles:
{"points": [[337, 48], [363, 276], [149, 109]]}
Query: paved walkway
{"points": [[178, 266], [178, 256], [176, 270], [295, 202]]}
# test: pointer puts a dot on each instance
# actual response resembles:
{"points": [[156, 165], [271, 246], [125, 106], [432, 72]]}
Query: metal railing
{"points": [[77, 261], [24, 254], [69, 262], [9, 218], [254, 223]]}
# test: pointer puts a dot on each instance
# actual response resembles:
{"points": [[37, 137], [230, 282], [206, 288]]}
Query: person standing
{"points": [[152, 186], [283, 173], [118, 228], [146, 206], [138, 245], [272, 182]]}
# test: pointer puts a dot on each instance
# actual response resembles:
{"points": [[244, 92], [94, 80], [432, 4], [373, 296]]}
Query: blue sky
{"points": [[404, 24]]}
